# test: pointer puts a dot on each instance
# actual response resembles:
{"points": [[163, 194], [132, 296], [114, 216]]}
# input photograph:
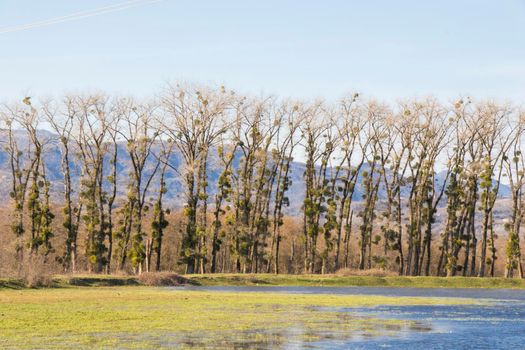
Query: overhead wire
{"points": [[77, 15]]}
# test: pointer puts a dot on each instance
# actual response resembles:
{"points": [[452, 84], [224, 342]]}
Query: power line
{"points": [[77, 15]]}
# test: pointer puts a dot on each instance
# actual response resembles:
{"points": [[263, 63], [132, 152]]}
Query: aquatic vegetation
{"points": [[139, 317]]}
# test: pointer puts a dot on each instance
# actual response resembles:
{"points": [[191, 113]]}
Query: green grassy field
{"points": [[151, 317]]}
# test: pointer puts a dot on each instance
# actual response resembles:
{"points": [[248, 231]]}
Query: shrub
{"points": [[161, 279], [370, 272]]}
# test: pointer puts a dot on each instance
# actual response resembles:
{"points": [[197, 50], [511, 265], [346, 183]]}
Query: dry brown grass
{"points": [[161, 279], [371, 272]]}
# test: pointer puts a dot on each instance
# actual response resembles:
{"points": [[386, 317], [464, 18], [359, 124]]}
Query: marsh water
{"points": [[498, 323]]}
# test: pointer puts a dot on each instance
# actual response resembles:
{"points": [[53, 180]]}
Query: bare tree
{"points": [[286, 142], [28, 176], [62, 118], [514, 164], [194, 124], [91, 145], [495, 143], [140, 134], [318, 137], [159, 222]]}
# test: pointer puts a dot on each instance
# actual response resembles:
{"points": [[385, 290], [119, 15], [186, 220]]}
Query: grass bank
{"points": [[169, 279], [342, 281], [150, 317]]}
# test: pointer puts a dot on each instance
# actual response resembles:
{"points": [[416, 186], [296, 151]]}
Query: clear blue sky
{"points": [[382, 48]]}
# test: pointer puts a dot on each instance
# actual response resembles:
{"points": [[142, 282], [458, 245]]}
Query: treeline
{"points": [[375, 176]]}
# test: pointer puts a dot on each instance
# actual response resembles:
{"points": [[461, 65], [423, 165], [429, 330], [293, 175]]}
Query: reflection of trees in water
{"points": [[344, 327]]}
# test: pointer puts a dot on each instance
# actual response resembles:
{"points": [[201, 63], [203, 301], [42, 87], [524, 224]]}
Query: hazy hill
{"points": [[174, 196]]}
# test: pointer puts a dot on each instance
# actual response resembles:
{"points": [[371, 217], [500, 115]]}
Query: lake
{"points": [[498, 323]]}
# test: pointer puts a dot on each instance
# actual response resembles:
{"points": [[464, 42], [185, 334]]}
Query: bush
{"points": [[38, 280], [161, 279], [34, 272], [370, 272]]}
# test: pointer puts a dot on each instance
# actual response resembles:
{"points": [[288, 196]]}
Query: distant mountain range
{"points": [[175, 196]]}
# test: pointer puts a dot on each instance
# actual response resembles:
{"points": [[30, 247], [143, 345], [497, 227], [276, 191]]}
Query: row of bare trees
{"points": [[412, 188]]}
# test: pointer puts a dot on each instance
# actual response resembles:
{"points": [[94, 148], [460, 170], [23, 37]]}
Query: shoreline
{"points": [[171, 279]]}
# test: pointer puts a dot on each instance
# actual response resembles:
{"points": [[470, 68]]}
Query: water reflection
{"points": [[295, 337]]}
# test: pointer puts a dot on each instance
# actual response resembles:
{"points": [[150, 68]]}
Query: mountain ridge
{"points": [[174, 183]]}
